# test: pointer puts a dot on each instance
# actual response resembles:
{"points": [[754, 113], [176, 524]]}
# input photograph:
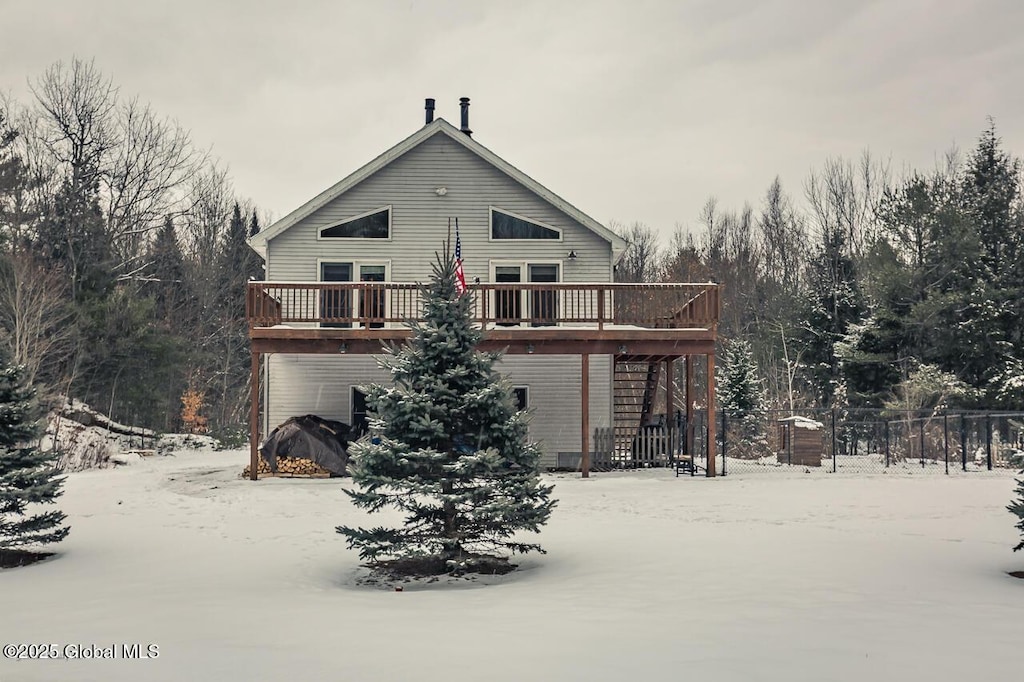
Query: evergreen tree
{"points": [[27, 475], [237, 263], [994, 206], [72, 237], [167, 272], [834, 303], [12, 180], [254, 225], [741, 398], [1017, 509], [227, 349], [739, 389], [449, 448], [869, 359], [128, 359]]}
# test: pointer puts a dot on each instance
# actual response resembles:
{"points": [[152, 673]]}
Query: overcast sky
{"points": [[632, 111]]}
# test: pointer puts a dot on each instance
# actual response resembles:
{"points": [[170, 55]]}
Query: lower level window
{"points": [[360, 422], [521, 397]]}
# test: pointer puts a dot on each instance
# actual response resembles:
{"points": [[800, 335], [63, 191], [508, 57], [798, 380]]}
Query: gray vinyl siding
{"points": [[420, 221], [555, 404], [321, 385], [304, 384], [316, 384]]}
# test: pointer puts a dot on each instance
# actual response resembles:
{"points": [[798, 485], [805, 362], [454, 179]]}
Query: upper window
{"points": [[509, 226], [373, 225]]}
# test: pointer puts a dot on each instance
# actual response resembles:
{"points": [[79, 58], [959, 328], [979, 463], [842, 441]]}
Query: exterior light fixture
{"points": [[622, 349], [572, 254], [343, 348], [529, 349], [441, 191]]}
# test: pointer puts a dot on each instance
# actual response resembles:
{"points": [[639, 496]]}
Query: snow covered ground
{"points": [[648, 577]]}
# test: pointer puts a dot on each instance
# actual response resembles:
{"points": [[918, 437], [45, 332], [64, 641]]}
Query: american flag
{"points": [[460, 276]]}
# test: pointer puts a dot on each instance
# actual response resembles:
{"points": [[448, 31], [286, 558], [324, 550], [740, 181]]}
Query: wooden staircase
{"points": [[635, 388]]}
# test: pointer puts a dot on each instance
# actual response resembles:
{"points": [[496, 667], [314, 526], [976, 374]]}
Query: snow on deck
{"points": [[648, 577]]}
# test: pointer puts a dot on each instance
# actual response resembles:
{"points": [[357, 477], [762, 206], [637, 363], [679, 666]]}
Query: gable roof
{"points": [[438, 127]]}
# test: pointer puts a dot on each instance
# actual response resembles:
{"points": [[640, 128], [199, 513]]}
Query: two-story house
{"points": [[586, 356]]}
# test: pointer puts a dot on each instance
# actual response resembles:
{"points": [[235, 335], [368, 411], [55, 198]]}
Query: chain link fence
{"points": [[871, 440], [850, 441]]}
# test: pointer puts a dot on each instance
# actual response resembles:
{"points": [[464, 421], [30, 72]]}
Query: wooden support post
{"points": [[689, 406], [254, 417], [585, 398], [670, 412], [711, 415]]}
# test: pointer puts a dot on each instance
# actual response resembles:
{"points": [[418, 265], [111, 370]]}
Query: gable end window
{"points": [[373, 225], [510, 226]]}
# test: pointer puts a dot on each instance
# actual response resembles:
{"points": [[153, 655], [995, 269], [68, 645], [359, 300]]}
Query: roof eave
{"points": [[260, 239]]}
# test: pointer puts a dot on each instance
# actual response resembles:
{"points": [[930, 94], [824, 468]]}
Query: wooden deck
{"points": [[650, 325], [367, 306]]}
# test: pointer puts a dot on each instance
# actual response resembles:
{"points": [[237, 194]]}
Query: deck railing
{"points": [[368, 305]]}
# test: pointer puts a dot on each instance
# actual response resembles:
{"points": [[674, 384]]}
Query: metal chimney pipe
{"points": [[464, 105], [429, 106]]}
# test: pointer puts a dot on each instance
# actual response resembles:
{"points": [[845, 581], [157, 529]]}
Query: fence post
{"points": [[963, 441], [921, 440], [945, 440], [675, 444], [834, 468], [725, 427], [988, 441], [886, 443]]}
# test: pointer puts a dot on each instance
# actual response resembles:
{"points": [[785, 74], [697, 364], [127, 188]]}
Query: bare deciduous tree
{"points": [[148, 173], [683, 261], [783, 240], [210, 201], [641, 262], [730, 251], [844, 199], [78, 125], [35, 317]]}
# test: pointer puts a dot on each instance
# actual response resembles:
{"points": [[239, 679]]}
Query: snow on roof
{"points": [[803, 423]]}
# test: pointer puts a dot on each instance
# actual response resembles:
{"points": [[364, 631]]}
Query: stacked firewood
{"points": [[289, 466]]}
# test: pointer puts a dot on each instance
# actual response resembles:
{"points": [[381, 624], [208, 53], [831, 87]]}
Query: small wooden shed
{"points": [[801, 441]]}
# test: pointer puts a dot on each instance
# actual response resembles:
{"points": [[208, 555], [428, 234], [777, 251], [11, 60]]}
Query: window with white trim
{"points": [[506, 225], [514, 307], [375, 224], [367, 303]]}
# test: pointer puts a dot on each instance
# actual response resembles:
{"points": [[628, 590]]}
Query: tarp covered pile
{"points": [[323, 441]]}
